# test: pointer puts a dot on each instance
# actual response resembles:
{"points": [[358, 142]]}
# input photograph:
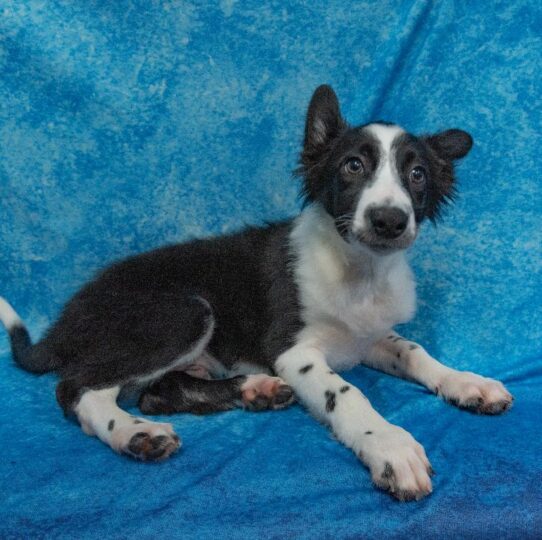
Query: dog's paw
{"points": [[261, 392], [475, 393], [397, 462], [147, 441]]}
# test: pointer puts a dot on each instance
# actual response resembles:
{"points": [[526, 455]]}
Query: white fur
{"points": [[99, 415], [355, 423], [98, 409], [387, 188], [400, 357], [8, 315], [350, 298]]}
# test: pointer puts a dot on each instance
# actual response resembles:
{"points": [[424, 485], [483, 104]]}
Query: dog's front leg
{"points": [[397, 356], [397, 462]]}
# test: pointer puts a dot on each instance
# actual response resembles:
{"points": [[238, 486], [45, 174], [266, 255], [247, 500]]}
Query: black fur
{"points": [[30, 358], [179, 392], [388, 470], [330, 401], [138, 317], [143, 313], [330, 142], [305, 369]]}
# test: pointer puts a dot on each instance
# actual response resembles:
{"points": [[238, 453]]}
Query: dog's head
{"points": [[376, 181]]}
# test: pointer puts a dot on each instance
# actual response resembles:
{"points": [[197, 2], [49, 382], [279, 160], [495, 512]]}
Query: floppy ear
{"points": [[450, 144], [324, 122], [444, 148]]}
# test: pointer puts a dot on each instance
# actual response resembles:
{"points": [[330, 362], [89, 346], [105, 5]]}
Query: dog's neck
{"points": [[319, 245]]}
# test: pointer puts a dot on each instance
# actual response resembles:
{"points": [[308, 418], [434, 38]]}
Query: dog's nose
{"points": [[388, 222]]}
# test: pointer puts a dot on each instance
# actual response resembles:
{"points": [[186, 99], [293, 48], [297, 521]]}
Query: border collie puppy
{"points": [[253, 318]]}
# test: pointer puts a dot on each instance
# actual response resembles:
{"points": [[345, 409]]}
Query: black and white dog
{"points": [[254, 318]]}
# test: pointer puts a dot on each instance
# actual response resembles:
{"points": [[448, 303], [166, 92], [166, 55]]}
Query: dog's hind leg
{"points": [[180, 392], [99, 415]]}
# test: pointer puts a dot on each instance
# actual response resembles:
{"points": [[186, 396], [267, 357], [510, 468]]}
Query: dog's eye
{"points": [[354, 166], [417, 177]]}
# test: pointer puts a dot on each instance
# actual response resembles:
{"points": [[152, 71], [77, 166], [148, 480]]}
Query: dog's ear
{"points": [[450, 144], [324, 122], [444, 148]]}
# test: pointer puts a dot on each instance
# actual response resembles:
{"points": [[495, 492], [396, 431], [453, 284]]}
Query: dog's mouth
{"points": [[382, 246]]}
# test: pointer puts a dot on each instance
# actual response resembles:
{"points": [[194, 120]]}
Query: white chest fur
{"points": [[349, 298]]}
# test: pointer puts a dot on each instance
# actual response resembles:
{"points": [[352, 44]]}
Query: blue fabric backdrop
{"points": [[126, 125]]}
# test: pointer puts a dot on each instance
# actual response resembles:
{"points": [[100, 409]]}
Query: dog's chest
{"points": [[367, 306], [348, 298], [365, 297]]}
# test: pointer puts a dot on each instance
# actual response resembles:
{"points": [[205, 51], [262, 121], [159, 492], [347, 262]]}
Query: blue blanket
{"points": [[126, 125]]}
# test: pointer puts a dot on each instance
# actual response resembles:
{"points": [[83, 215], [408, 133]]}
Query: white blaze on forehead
{"points": [[385, 135], [386, 188]]}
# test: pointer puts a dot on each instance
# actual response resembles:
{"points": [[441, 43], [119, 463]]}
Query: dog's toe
{"points": [[283, 397], [148, 448], [475, 393], [147, 441], [262, 392], [398, 464]]}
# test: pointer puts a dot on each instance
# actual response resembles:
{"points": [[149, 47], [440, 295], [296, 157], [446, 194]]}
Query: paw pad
{"points": [[147, 447], [262, 392]]}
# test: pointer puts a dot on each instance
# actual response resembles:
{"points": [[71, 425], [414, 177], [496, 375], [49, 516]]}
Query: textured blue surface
{"points": [[126, 125]]}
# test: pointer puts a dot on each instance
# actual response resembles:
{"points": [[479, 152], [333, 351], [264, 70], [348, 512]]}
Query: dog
{"points": [[254, 318]]}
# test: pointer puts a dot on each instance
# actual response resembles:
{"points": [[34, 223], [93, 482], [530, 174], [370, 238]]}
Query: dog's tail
{"points": [[25, 355]]}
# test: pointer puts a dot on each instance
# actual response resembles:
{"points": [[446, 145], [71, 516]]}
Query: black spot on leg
{"points": [[137, 421], [306, 368], [330, 401], [398, 355], [331, 372], [388, 470], [394, 366], [368, 433], [391, 336], [344, 389], [412, 347], [111, 425]]}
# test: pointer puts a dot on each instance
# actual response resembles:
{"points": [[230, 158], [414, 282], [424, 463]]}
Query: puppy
{"points": [[253, 318]]}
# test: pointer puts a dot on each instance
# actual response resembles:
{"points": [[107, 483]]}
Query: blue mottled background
{"points": [[129, 124]]}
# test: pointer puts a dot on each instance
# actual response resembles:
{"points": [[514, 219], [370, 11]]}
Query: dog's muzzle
{"points": [[385, 230]]}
